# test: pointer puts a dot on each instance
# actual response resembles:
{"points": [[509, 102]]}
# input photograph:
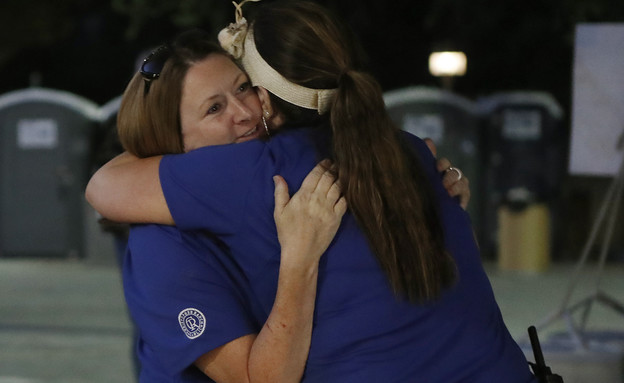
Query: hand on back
{"points": [[453, 180], [308, 221]]}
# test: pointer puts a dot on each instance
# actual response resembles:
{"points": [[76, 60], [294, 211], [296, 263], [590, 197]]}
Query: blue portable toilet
{"points": [[525, 148], [451, 121], [45, 139]]}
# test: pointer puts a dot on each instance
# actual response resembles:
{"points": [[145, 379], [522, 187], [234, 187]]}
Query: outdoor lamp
{"points": [[447, 65]]}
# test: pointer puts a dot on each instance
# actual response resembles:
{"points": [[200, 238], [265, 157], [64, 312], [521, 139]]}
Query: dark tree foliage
{"points": [[91, 47]]}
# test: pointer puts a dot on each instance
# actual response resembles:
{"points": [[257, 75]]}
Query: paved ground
{"points": [[64, 321]]}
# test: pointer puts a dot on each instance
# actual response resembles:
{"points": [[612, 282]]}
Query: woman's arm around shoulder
{"points": [[127, 189], [306, 225]]}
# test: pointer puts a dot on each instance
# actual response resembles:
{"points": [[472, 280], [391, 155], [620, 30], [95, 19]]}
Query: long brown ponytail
{"points": [[387, 191], [385, 187]]}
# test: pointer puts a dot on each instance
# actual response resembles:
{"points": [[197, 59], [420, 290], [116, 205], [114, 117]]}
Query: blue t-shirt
{"points": [[362, 332], [186, 297]]}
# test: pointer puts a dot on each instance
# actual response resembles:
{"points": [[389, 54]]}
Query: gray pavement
{"points": [[65, 321], [62, 321]]}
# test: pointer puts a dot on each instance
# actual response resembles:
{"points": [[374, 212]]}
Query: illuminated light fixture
{"points": [[444, 64]]}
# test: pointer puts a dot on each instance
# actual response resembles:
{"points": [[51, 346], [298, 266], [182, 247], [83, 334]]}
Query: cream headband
{"points": [[238, 40]]}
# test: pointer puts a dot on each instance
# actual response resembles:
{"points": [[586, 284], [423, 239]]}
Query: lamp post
{"points": [[447, 65]]}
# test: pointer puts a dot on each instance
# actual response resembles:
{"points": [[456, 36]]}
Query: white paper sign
{"points": [[425, 126], [598, 99], [522, 125], [39, 133]]}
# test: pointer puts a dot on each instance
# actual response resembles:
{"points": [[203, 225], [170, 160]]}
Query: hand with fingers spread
{"points": [[307, 222], [453, 180]]}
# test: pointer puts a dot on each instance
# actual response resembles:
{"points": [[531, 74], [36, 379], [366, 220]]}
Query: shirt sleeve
{"points": [[209, 188], [184, 297]]}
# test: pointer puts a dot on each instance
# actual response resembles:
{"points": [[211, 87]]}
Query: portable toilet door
{"points": [[45, 140], [525, 164], [451, 121]]}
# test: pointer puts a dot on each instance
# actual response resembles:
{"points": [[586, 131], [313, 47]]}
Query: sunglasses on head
{"points": [[153, 65]]}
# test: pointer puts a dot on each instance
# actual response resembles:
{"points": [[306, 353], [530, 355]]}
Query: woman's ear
{"points": [[273, 118], [265, 101]]}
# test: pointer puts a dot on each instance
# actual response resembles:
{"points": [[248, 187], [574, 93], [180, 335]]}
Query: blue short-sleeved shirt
{"points": [[362, 332], [186, 297]]}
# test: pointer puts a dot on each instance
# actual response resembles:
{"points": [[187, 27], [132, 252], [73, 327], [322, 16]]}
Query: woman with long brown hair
{"points": [[402, 295]]}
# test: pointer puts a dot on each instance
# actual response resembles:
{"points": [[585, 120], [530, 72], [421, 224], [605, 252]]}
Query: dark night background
{"points": [[89, 47]]}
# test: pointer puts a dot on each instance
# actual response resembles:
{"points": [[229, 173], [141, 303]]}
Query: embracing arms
{"points": [[127, 189], [306, 225]]}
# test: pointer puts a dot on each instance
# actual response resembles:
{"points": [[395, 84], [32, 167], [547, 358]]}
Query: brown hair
{"points": [[148, 122], [385, 187]]}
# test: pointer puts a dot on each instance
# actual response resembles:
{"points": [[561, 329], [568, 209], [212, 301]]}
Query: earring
{"points": [[266, 126]]}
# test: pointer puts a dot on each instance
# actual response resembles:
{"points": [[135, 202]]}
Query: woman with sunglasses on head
{"points": [[409, 304], [187, 296]]}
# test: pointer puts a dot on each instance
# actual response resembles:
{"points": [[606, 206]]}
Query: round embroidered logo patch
{"points": [[192, 322]]}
